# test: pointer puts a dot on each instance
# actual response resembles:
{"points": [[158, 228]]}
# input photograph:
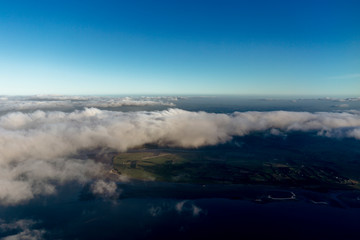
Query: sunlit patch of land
{"points": [[226, 167]]}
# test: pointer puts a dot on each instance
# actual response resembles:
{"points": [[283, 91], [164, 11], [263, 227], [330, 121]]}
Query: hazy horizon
{"points": [[249, 96]]}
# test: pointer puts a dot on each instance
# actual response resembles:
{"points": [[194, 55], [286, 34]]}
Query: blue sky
{"points": [[180, 47]]}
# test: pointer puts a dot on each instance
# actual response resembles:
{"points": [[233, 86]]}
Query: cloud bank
{"points": [[38, 149], [55, 102]]}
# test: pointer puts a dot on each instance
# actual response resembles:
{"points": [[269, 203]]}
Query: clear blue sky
{"points": [[180, 47]]}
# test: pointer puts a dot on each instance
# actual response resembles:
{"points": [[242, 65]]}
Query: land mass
{"points": [[227, 167]]}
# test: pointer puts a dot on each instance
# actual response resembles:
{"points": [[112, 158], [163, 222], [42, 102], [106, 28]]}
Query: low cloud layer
{"points": [[186, 206], [105, 189], [353, 99], [55, 102], [37, 149], [23, 228]]}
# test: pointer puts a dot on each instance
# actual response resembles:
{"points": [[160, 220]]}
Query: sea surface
{"points": [[145, 210]]}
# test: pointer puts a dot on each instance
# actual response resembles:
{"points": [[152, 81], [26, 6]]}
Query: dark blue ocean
{"points": [[184, 211]]}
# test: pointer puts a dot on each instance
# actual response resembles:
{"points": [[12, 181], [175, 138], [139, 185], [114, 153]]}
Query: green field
{"points": [[227, 167]]}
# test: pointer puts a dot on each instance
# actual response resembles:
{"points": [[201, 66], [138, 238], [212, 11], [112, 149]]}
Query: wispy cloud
{"points": [[186, 206], [347, 76], [21, 229], [105, 189], [59, 102]]}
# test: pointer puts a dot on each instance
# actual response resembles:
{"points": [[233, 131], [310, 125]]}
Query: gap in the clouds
{"points": [[294, 159]]}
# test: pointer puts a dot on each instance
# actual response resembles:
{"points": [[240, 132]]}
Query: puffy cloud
{"points": [[36, 148], [186, 206], [355, 133], [105, 189], [23, 229], [180, 205], [21, 180]]}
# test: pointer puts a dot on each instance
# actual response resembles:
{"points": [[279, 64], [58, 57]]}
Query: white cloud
{"points": [[355, 133], [23, 229], [55, 102], [353, 99], [186, 206], [105, 189], [180, 205], [22, 180], [36, 148], [196, 210]]}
